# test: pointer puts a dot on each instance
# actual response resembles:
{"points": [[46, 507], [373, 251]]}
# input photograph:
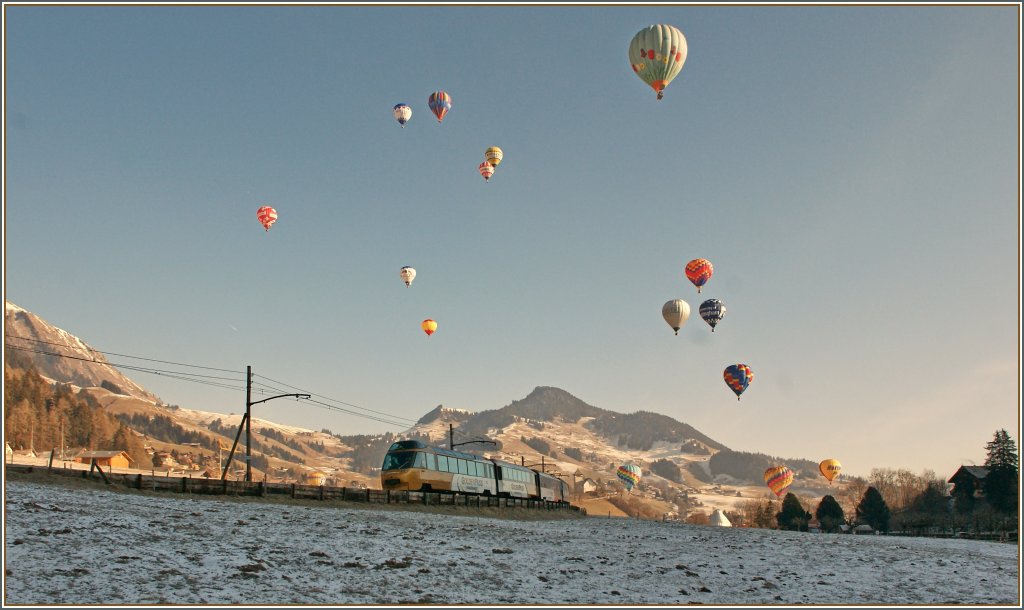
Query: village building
{"points": [[105, 459], [969, 478]]}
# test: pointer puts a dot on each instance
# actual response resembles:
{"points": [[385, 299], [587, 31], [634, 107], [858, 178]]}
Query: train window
{"points": [[463, 467], [431, 463], [442, 463], [421, 460], [395, 461]]}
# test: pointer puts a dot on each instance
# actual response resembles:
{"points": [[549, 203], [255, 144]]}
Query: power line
{"points": [[125, 355], [215, 381]]}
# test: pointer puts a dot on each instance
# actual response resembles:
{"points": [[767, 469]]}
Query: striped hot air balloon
{"points": [[486, 170], [440, 103], [778, 479], [629, 474], [493, 155]]}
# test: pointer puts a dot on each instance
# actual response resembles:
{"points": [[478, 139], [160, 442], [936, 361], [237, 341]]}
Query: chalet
{"points": [[969, 478], [588, 485], [105, 459], [814, 526]]}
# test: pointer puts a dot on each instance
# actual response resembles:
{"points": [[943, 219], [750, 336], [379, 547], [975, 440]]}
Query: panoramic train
{"points": [[414, 466]]}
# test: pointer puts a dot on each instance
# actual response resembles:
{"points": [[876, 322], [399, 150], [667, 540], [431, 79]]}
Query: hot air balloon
{"points": [[402, 113], [429, 326], [676, 312], [712, 310], [629, 474], [830, 469], [778, 479], [738, 377], [440, 103], [493, 155], [486, 170], [408, 274], [699, 271], [267, 216], [657, 54]]}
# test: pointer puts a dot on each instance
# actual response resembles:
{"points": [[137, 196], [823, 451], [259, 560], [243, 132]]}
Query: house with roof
{"points": [[969, 480], [105, 459]]}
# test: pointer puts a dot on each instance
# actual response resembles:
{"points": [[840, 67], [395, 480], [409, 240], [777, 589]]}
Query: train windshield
{"points": [[404, 459]]}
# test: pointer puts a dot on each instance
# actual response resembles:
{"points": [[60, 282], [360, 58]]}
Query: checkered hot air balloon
{"points": [[778, 479], [699, 271], [629, 474], [267, 216], [738, 377]]}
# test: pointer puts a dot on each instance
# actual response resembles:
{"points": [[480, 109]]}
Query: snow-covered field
{"points": [[67, 545]]}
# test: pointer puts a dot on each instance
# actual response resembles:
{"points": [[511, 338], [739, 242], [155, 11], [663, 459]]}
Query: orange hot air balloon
{"points": [[699, 271], [429, 326], [267, 216], [778, 479], [830, 469]]}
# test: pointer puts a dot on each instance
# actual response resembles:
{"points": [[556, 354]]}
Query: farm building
{"points": [[105, 459]]}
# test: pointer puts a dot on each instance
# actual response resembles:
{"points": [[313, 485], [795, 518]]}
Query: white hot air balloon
{"points": [[676, 312], [408, 274], [402, 113]]}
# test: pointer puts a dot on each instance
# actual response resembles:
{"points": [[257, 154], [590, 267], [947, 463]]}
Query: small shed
{"points": [[106, 459], [863, 528]]}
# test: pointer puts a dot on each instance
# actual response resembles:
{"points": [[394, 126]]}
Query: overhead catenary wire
{"points": [[213, 380]]}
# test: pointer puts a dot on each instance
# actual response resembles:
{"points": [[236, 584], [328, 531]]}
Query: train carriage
{"points": [[414, 466], [552, 488], [515, 481]]}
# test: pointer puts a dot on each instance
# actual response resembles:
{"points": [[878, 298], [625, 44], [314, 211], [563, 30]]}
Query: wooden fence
{"points": [[205, 486]]}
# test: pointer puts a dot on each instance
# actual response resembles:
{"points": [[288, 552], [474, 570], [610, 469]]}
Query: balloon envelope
{"points": [[657, 54], [267, 216], [778, 479], [429, 326], [629, 474], [440, 103], [830, 469], [712, 311], [486, 170], [699, 271], [676, 312], [493, 155], [408, 274], [402, 113], [738, 377]]}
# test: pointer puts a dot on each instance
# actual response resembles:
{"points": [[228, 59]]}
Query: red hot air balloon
{"points": [[486, 170], [267, 216], [699, 271]]}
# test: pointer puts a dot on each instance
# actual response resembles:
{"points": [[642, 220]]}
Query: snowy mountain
{"points": [[63, 357]]}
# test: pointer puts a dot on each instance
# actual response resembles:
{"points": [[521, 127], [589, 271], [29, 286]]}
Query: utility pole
{"points": [[451, 439], [246, 423]]}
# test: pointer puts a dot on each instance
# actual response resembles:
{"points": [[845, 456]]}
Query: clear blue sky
{"points": [[851, 172]]}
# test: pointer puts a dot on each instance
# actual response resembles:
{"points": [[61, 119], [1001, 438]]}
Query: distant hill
{"points": [[549, 426]]}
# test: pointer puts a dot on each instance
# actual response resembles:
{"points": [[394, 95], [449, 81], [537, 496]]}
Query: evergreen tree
{"points": [[873, 510], [793, 516], [830, 514], [1000, 484]]}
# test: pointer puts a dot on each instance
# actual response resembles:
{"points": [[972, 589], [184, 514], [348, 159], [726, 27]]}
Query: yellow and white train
{"points": [[413, 466]]}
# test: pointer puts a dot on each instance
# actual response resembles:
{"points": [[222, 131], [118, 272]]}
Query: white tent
{"points": [[718, 518]]}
